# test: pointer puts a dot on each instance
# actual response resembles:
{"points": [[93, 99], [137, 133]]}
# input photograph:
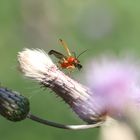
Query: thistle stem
{"points": [[62, 126]]}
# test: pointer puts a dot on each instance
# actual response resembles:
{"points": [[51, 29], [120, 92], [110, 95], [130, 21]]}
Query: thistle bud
{"points": [[13, 106]]}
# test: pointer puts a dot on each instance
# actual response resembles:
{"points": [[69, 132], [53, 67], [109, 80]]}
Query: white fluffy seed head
{"points": [[34, 63]]}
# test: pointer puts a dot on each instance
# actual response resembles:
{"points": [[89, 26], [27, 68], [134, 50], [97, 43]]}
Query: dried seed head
{"points": [[34, 63], [37, 65]]}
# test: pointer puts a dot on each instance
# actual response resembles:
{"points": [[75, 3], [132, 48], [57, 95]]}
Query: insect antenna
{"points": [[81, 53]]}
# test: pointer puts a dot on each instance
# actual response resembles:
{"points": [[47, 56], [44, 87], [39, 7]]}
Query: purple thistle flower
{"points": [[115, 84]]}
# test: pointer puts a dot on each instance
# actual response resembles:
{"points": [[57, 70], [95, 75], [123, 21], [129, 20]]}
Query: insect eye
{"points": [[79, 66]]}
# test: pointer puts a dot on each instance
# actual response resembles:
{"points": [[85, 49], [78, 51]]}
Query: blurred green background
{"points": [[96, 25]]}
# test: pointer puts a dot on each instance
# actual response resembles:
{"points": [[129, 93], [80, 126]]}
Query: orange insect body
{"points": [[68, 61]]}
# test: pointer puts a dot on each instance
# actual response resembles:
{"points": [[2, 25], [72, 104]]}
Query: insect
{"points": [[69, 61]]}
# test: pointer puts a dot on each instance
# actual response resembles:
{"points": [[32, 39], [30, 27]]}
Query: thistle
{"points": [[113, 86]]}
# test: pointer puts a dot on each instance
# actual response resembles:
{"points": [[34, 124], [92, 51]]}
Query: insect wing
{"points": [[56, 54], [63, 43]]}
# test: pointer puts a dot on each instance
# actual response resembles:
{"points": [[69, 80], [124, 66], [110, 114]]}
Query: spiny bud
{"points": [[13, 106]]}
